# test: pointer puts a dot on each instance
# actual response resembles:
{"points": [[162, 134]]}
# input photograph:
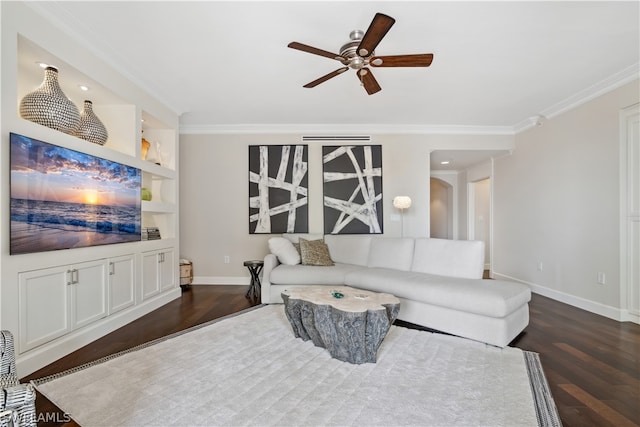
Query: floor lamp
{"points": [[402, 203]]}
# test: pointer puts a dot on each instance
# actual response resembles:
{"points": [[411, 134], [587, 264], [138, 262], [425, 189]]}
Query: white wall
{"points": [[214, 193], [478, 188], [556, 201], [441, 209], [482, 215]]}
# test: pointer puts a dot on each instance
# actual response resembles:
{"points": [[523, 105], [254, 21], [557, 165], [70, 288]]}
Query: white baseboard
{"points": [[579, 302], [221, 280], [627, 316]]}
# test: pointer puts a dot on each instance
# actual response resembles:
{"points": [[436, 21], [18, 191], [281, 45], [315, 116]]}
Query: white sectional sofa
{"points": [[439, 282]]}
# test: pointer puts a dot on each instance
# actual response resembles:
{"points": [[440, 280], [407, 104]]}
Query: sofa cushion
{"points": [[455, 258], [310, 274], [395, 253], [493, 298], [351, 249], [315, 252], [284, 250]]}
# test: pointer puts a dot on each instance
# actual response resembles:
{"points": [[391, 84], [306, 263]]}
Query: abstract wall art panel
{"points": [[278, 189], [352, 186]]}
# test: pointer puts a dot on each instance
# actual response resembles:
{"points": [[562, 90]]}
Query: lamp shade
{"points": [[402, 202]]}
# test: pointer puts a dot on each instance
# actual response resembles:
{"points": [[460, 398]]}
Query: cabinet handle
{"points": [[112, 269], [161, 257], [73, 276]]}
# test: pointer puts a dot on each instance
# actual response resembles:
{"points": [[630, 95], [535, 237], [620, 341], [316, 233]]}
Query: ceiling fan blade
{"points": [[377, 30], [368, 81], [419, 60], [314, 50], [327, 77]]}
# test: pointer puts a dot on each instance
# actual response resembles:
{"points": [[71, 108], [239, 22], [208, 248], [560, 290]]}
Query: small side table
{"points": [[255, 267]]}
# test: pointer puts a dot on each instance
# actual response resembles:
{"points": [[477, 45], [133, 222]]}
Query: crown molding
{"points": [[336, 129], [612, 82], [59, 17]]}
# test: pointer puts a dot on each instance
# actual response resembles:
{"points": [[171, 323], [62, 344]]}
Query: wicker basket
{"points": [[186, 272]]}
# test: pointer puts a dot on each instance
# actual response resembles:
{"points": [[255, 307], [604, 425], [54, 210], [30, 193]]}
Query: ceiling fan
{"points": [[359, 54]]}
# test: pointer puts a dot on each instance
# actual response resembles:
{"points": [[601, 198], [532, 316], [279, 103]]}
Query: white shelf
{"points": [[126, 123], [154, 169], [158, 207]]}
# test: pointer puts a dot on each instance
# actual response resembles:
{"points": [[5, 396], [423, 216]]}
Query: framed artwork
{"points": [[352, 187], [278, 189]]}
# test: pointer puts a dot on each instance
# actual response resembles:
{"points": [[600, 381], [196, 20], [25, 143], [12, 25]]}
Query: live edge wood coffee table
{"points": [[350, 323]]}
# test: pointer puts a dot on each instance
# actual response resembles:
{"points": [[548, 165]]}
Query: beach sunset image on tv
{"points": [[62, 198]]}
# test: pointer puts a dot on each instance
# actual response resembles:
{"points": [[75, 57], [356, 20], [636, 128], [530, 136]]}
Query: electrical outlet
{"points": [[539, 265], [227, 260], [601, 278]]}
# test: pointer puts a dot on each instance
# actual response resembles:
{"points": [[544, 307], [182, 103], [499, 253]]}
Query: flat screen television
{"points": [[63, 199]]}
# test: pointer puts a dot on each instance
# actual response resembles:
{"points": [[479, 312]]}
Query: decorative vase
{"points": [[145, 194], [49, 106], [145, 148], [91, 128]]}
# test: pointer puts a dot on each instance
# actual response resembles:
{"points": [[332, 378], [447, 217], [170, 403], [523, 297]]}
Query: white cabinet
{"points": [[57, 300], [121, 283], [167, 269], [88, 292], [158, 272], [44, 306], [48, 298]]}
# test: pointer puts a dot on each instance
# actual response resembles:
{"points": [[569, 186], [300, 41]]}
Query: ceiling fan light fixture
{"points": [[359, 53], [356, 35], [357, 63]]}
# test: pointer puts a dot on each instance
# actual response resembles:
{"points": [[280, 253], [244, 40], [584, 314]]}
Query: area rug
{"points": [[250, 370]]}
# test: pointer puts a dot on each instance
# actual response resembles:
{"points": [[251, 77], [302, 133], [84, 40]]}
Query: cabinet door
{"points": [[167, 269], [150, 274], [121, 283], [89, 292], [44, 306]]}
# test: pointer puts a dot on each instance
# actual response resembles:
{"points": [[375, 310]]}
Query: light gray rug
{"points": [[250, 370]]}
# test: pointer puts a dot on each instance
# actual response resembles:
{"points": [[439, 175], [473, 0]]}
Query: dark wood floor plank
{"points": [[612, 372], [608, 415], [583, 351], [592, 363]]}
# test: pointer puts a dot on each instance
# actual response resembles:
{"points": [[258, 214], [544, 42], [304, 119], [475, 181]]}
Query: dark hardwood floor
{"points": [[592, 363]]}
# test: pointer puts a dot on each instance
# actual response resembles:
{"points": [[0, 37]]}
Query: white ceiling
{"points": [[460, 160], [226, 65]]}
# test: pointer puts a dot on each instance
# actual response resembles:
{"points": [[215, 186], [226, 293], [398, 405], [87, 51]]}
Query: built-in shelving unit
{"points": [[42, 299]]}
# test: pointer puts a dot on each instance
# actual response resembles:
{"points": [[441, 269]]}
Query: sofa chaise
{"points": [[439, 282]]}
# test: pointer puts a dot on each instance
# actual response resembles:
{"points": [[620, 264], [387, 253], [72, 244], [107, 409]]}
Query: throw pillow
{"points": [[315, 252], [284, 250]]}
